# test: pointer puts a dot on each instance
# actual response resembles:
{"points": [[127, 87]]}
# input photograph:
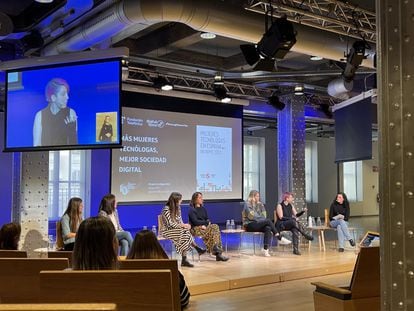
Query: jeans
{"points": [[125, 242], [265, 226], [342, 230]]}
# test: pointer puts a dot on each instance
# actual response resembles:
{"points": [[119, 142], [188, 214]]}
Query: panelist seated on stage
{"points": [[287, 220], [339, 216], [146, 246], [201, 226], [96, 245], [70, 222]]}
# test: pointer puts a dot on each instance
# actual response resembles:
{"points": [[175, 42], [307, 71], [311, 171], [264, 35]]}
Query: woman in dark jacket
{"points": [[338, 216]]}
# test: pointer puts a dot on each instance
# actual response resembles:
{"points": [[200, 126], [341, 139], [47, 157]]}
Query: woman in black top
{"points": [[338, 216], [201, 226]]}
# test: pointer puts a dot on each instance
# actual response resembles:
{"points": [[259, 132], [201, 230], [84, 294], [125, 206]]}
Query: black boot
{"points": [[296, 251], [308, 237], [220, 257], [200, 250], [352, 242], [185, 262], [216, 250]]}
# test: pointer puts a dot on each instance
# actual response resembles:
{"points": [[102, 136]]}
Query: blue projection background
{"points": [[94, 88]]}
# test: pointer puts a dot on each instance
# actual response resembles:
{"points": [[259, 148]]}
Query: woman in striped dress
{"points": [[174, 229]]}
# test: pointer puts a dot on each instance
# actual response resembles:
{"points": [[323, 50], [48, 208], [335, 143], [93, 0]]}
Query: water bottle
{"points": [[154, 230], [51, 242], [228, 227], [318, 222], [232, 226], [310, 221]]}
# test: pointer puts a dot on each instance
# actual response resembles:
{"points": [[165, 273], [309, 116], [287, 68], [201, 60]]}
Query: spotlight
{"points": [[207, 35], [124, 69], [161, 83], [315, 58], [276, 103], [221, 93], [298, 90], [275, 43]]}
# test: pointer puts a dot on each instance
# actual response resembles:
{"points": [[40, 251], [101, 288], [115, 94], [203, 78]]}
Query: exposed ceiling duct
{"points": [[212, 16]]}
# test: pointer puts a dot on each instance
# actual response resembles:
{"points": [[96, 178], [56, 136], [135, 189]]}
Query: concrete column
{"points": [[31, 199], [291, 149], [395, 24]]}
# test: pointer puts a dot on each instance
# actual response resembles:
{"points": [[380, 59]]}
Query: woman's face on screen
{"points": [[60, 98]]}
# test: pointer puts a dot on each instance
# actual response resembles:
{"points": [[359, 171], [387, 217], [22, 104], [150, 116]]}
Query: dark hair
{"points": [[107, 204], [194, 198], [74, 213], [172, 203], [96, 246], [346, 202], [10, 236], [146, 246]]}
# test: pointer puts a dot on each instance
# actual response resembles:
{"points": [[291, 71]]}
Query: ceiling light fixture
{"points": [[44, 1], [275, 102], [315, 58], [298, 90], [221, 93], [161, 83], [207, 35]]}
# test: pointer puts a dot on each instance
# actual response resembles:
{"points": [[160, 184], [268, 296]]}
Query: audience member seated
{"points": [[146, 246], [96, 245], [254, 220], [108, 208], [201, 226], [287, 220], [70, 222], [10, 236], [174, 229], [338, 216]]}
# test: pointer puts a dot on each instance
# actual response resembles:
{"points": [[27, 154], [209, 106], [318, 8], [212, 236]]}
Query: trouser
{"points": [[293, 226], [342, 231], [266, 226], [211, 236], [125, 242]]}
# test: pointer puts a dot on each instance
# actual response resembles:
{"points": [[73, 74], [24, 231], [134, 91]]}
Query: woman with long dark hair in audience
{"points": [[10, 236], [338, 217], [146, 246], [174, 229], [201, 226], [96, 246], [70, 222], [108, 209]]}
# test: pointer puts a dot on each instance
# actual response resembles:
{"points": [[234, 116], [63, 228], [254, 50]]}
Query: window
{"points": [[67, 179], [311, 171], [352, 175], [253, 166]]}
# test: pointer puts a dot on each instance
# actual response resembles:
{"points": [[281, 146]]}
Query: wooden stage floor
{"points": [[251, 270]]}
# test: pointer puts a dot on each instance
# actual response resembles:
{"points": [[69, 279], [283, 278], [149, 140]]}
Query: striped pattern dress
{"points": [[172, 230]]}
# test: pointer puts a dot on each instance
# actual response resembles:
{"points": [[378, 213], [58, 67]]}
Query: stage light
{"points": [[275, 102], [275, 44], [44, 1], [207, 35], [221, 93], [315, 58], [161, 83], [298, 90]]}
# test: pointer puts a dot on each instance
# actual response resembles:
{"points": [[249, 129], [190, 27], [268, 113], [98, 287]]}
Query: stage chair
{"points": [[61, 254], [254, 234], [20, 277], [363, 292], [130, 290], [153, 264], [59, 307], [5, 253]]}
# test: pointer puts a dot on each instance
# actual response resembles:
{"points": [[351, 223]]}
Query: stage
{"points": [[246, 270]]}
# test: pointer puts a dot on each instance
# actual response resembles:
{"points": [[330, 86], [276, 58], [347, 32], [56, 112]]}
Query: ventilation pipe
{"points": [[213, 16]]}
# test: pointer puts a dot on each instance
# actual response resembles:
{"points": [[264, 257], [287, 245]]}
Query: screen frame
{"points": [[170, 105], [20, 70]]}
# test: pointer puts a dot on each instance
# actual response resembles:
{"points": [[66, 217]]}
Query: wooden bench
{"points": [[363, 292], [20, 277], [131, 290], [5, 253], [59, 307], [61, 254], [153, 264]]}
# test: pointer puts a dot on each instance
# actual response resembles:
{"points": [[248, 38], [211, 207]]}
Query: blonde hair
{"points": [[251, 198]]}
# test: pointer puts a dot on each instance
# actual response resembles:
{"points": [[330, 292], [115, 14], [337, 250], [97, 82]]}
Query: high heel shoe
{"points": [[220, 257], [200, 250]]}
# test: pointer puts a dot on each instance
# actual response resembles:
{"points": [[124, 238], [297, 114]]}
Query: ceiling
{"points": [[163, 38]]}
